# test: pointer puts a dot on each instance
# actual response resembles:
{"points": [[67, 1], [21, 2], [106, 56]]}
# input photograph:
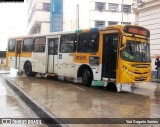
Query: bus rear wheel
{"points": [[28, 69], [86, 78]]}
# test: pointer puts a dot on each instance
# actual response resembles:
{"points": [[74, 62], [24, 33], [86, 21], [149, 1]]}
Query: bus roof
{"points": [[120, 27]]}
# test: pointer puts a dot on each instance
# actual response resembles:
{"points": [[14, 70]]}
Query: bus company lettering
{"points": [[80, 57]]}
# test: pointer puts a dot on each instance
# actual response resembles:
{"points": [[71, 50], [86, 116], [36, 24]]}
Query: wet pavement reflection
{"points": [[68, 100], [74, 100], [9, 105], [11, 108]]}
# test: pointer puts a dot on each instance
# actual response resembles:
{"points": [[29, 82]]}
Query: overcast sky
{"points": [[12, 21]]}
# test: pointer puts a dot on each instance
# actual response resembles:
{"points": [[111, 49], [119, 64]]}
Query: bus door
{"points": [[18, 52], [39, 54], [109, 58], [52, 54], [65, 55]]}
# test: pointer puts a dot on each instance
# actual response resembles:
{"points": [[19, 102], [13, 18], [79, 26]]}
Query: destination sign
{"points": [[137, 30]]}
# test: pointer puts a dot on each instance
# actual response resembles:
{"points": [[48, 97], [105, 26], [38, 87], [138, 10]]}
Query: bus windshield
{"points": [[136, 51]]}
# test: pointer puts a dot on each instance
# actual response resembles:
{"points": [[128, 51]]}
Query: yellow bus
{"points": [[98, 56]]}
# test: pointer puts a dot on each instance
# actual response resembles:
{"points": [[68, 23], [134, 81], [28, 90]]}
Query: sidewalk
{"points": [[11, 107]]}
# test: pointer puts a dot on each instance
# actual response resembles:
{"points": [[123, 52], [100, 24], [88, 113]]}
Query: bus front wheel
{"points": [[86, 78], [28, 69], [111, 87]]}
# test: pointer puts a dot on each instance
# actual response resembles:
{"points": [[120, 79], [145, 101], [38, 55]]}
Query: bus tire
{"points": [[28, 69], [86, 78], [111, 87]]}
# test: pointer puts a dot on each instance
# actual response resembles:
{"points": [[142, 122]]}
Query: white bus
{"points": [[118, 54]]}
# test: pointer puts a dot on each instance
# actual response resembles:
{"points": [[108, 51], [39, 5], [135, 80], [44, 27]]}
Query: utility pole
{"points": [[77, 15], [122, 11]]}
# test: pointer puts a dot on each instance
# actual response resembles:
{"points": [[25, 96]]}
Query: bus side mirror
{"points": [[123, 41]]}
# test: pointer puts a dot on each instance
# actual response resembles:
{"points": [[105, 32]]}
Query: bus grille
{"points": [[139, 73], [141, 65], [140, 78]]}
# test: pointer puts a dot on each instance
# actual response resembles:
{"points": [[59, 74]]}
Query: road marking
{"points": [[76, 87], [156, 115]]}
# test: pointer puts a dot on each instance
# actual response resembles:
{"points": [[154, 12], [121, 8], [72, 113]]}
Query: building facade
{"points": [[38, 16], [67, 15], [147, 15]]}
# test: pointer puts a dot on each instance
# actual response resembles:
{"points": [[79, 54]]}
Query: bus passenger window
{"points": [[68, 43], [39, 44], [88, 42], [11, 45], [27, 45]]}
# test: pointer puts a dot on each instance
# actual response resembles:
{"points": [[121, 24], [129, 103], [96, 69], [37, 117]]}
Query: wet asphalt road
{"points": [[68, 100]]}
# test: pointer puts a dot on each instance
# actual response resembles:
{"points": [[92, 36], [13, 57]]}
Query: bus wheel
{"points": [[111, 87], [86, 78], [28, 69]]}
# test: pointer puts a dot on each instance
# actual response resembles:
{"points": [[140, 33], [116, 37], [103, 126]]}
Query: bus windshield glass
{"points": [[136, 51]]}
